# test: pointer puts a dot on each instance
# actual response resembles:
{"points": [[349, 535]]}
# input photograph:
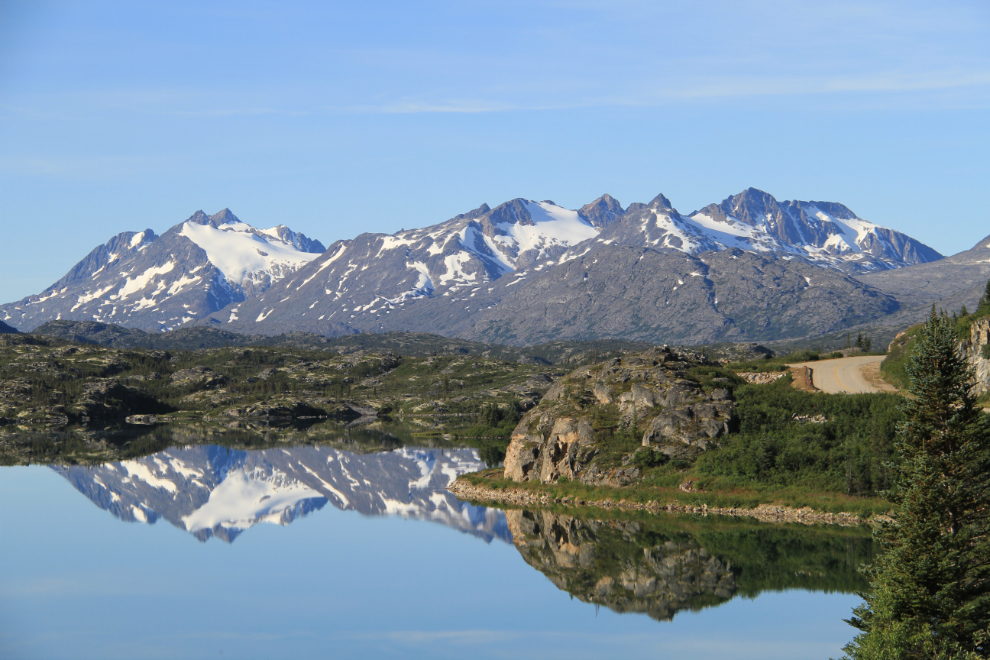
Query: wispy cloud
{"points": [[868, 88]]}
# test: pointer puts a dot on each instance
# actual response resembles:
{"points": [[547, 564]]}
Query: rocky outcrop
{"points": [[761, 377], [202, 377], [601, 563], [589, 425], [976, 352], [107, 398]]}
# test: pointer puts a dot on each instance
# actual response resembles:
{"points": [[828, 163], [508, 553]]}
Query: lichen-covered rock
{"points": [[203, 377], [576, 430]]}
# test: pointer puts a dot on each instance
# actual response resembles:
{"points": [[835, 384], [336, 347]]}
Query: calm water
{"points": [[203, 552]]}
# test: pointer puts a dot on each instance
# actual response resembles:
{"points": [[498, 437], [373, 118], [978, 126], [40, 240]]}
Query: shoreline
{"points": [[520, 497]]}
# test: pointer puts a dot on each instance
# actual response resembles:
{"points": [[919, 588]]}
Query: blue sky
{"points": [[338, 118]]}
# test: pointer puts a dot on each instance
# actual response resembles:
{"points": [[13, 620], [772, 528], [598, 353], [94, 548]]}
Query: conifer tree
{"points": [[930, 595], [984, 304]]}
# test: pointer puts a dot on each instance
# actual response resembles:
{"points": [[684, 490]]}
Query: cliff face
{"points": [[596, 424], [979, 336]]}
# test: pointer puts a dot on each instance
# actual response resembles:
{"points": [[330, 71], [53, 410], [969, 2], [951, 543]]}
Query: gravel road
{"points": [[841, 374]]}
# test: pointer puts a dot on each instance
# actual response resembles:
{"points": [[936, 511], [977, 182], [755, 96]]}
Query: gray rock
{"points": [[558, 438]]}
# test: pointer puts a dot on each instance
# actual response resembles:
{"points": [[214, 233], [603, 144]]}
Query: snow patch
{"points": [[135, 284], [238, 252]]}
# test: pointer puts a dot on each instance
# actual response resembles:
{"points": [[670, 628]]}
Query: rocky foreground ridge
{"points": [[599, 424]]}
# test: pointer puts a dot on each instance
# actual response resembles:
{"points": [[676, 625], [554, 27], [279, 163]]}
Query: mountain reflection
{"points": [[659, 566], [210, 490]]}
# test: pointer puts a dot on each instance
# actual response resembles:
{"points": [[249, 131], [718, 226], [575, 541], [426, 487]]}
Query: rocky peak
{"points": [[661, 203], [750, 206], [224, 217], [473, 215], [602, 212], [512, 212], [296, 239]]}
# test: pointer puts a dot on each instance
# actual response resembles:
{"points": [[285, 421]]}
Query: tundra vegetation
{"points": [[75, 402]]}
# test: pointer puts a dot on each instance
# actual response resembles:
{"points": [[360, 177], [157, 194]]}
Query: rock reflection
{"points": [[662, 566], [213, 491]]}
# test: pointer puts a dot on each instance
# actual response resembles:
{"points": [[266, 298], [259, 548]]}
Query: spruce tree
{"points": [[930, 595], [984, 304]]}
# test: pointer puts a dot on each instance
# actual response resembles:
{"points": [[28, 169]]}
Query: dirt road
{"points": [[841, 374]]}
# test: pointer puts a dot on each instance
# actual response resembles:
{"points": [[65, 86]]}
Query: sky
{"points": [[336, 118]]}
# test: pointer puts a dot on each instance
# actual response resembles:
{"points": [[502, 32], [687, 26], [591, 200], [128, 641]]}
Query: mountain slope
{"points": [[948, 284], [926, 283], [151, 282], [664, 296]]}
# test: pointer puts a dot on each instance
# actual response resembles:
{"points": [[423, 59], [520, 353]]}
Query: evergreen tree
{"points": [[930, 594], [859, 340], [984, 304], [963, 311]]}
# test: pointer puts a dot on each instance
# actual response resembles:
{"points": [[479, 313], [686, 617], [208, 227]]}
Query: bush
{"points": [[845, 454]]}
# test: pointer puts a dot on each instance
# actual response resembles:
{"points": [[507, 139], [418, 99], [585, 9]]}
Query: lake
{"points": [[202, 551]]}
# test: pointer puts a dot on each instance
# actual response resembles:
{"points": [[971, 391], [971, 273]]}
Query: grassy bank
{"points": [[720, 492]]}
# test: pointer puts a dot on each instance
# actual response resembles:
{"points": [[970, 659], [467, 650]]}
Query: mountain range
{"points": [[748, 268]]}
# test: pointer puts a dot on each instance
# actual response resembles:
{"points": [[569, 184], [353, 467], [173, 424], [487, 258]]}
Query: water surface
{"points": [[203, 552]]}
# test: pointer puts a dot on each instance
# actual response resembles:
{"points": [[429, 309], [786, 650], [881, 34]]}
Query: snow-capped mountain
{"points": [[207, 490], [151, 282], [824, 233], [455, 277], [376, 274]]}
